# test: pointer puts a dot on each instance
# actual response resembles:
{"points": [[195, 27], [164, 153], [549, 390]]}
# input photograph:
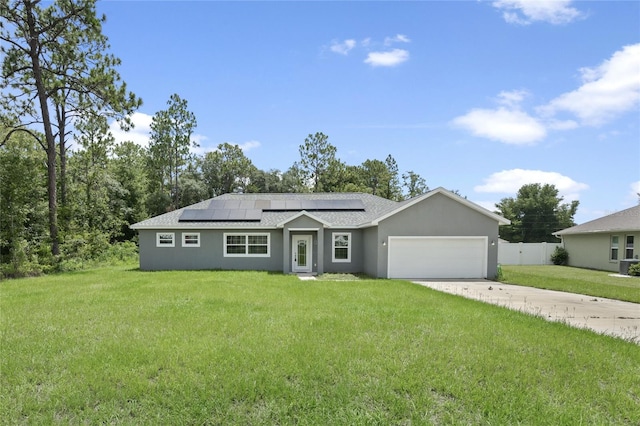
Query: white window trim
{"points": [[333, 247], [173, 239], [190, 234], [617, 248], [628, 247], [247, 235]]}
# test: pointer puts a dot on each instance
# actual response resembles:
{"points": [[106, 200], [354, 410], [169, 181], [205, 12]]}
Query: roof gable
{"points": [[306, 214], [624, 220], [440, 190]]}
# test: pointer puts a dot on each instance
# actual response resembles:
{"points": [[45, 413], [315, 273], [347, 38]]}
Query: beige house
{"points": [[603, 243]]}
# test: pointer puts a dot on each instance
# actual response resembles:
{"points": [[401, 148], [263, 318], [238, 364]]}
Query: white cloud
{"points": [[249, 145], [608, 90], [398, 38], [524, 12], [140, 134], [344, 47], [510, 126], [634, 192], [510, 181], [387, 59], [513, 98]]}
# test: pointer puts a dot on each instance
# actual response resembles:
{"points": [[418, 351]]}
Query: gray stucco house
{"points": [[602, 243], [435, 235]]}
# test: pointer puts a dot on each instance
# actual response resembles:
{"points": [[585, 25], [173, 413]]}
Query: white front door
{"points": [[301, 253]]}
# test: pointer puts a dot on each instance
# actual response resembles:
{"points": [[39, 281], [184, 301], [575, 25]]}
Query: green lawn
{"points": [[574, 280], [128, 347]]}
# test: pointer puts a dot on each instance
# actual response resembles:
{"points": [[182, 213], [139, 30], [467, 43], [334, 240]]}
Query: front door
{"points": [[302, 255]]}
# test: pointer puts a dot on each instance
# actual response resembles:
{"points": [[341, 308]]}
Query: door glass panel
{"points": [[302, 253]]}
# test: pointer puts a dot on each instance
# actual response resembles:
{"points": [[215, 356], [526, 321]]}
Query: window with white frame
{"points": [[614, 247], [165, 239], [341, 251], [190, 239], [628, 247], [246, 245]]}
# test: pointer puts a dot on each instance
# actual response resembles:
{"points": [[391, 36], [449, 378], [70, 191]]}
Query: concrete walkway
{"points": [[606, 316]]}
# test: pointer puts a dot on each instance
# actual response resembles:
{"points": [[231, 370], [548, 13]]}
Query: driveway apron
{"points": [[605, 316]]}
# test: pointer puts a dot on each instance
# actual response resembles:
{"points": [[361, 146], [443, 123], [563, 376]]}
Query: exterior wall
{"points": [[593, 250], [441, 216], [370, 248], [357, 255], [210, 253], [526, 253]]}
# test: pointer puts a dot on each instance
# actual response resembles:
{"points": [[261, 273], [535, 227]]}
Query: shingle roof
{"points": [[625, 220], [375, 210], [373, 207]]}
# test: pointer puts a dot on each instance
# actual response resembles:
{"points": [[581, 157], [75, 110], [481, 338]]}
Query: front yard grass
{"points": [[574, 280], [130, 347]]}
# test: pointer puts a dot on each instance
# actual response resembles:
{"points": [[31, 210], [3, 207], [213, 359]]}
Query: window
{"points": [[249, 245], [341, 247], [191, 239], [628, 247], [165, 239], [614, 247]]}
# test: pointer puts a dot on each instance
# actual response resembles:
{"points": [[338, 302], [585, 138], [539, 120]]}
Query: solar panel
{"points": [[293, 205], [231, 204], [246, 205], [262, 204], [251, 210], [217, 204], [253, 214], [196, 215], [278, 205], [220, 214]]}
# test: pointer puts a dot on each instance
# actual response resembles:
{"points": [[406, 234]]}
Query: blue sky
{"points": [[482, 97]]}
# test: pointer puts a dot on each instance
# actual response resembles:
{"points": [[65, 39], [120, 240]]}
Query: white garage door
{"points": [[437, 257]]}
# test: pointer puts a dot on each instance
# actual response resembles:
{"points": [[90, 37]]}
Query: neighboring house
{"points": [[603, 243], [436, 235]]}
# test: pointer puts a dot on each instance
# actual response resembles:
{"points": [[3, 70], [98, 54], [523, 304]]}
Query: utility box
{"points": [[624, 265]]}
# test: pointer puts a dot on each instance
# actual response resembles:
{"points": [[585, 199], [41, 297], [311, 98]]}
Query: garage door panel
{"points": [[437, 257]]}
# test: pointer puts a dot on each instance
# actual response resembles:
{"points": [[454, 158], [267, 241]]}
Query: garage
{"points": [[437, 257]]}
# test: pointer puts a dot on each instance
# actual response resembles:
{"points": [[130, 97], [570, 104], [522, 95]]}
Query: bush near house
{"points": [[634, 270], [560, 256]]}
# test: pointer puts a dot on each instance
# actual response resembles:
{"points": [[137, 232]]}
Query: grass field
{"points": [[574, 280], [120, 346]]}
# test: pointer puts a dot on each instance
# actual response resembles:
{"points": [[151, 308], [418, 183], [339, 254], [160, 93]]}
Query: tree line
{"points": [[68, 191]]}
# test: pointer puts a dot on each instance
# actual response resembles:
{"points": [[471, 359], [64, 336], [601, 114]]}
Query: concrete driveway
{"points": [[606, 316]]}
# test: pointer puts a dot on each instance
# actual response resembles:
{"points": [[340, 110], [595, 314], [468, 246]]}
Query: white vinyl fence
{"points": [[526, 253]]}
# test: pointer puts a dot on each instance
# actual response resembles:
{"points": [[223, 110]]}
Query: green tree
{"points": [[23, 209], [98, 198], [227, 170], [414, 184], [392, 189], [127, 167], [317, 155], [55, 55], [376, 177], [535, 213], [169, 148]]}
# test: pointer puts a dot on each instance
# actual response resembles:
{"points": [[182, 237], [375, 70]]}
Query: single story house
{"points": [[602, 243], [436, 235]]}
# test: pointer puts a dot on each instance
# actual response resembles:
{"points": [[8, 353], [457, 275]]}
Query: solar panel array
{"points": [[251, 210]]}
